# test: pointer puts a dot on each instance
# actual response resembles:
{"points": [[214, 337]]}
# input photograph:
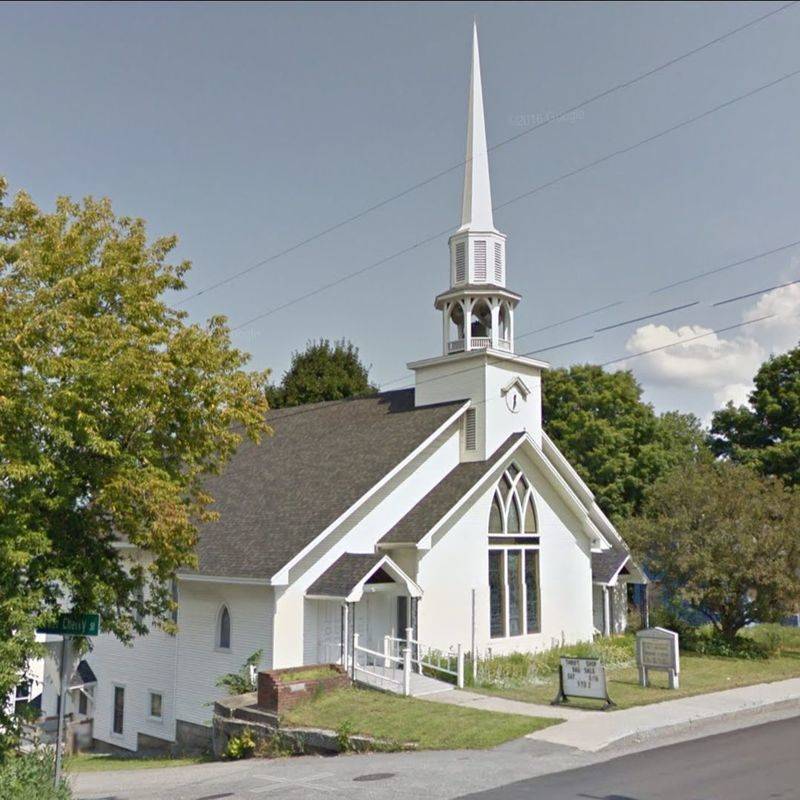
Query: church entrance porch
{"points": [[375, 639]]}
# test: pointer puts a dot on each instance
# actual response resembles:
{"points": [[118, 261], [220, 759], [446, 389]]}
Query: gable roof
{"points": [[347, 575], [607, 563], [434, 505], [275, 497]]}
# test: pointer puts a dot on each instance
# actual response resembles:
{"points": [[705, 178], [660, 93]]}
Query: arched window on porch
{"points": [[514, 603]]}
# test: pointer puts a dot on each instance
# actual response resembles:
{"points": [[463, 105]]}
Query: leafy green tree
{"points": [[112, 408], [766, 434], [323, 371], [724, 540], [615, 441]]}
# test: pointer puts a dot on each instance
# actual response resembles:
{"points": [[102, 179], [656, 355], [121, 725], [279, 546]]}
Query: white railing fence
{"points": [[427, 659], [384, 670]]}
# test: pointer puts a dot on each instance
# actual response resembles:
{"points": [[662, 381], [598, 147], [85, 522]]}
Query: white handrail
{"points": [[362, 649]]}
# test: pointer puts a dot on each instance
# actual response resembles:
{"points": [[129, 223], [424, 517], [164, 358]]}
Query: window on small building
{"points": [[156, 702], [83, 703], [119, 709], [224, 629], [514, 605]]}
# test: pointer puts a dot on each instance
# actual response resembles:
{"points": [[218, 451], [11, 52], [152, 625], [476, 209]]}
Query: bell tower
{"points": [[478, 363], [477, 309]]}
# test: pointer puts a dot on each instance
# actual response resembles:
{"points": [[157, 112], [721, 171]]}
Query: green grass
{"points": [[431, 726], [101, 762], [700, 674], [310, 674]]}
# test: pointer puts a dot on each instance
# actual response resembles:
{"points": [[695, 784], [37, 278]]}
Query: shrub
{"points": [[241, 746], [241, 682], [343, 734], [516, 669], [29, 776], [279, 745]]}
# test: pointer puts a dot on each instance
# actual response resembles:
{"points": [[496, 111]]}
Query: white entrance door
{"points": [[374, 619], [329, 631]]}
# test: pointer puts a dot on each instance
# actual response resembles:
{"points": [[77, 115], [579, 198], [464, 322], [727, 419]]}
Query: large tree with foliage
{"points": [[112, 407], [616, 442], [724, 540], [766, 433], [323, 371]]}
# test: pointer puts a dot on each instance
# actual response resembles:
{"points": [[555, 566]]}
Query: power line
{"points": [[753, 294], [620, 324], [534, 190], [689, 339], [747, 260], [426, 181]]}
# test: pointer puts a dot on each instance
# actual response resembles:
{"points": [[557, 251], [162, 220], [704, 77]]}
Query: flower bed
{"points": [[282, 689]]}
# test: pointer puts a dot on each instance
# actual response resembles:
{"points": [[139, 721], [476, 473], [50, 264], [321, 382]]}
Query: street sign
{"points": [[582, 677], [74, 625], [657, 648]]}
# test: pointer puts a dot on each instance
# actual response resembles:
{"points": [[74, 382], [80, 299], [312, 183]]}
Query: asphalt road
{"points": [[760, 762], [749, 764]]}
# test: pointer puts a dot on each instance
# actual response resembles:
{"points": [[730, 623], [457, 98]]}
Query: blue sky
{"points": [[247, 128]]}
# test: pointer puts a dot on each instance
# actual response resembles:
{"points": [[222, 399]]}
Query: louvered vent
{"points": [[470, 430], [461, 262], [498, 262], [480, 261]]}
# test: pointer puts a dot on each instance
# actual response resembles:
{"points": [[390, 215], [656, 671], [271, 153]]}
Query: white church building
{"points": [[444, 509]]}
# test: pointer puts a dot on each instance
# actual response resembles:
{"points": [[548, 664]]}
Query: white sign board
{"points": [[582, 677], [657, 648]]}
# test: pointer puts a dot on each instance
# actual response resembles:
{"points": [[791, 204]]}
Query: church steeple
{"points": [[476, 203], [477, 310]]}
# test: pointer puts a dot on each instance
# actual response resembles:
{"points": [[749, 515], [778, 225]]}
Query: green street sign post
{"points": [[67, 626]]}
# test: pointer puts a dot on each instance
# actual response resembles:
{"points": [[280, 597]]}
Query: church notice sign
{"points": [[582, 677], [657, 648]]}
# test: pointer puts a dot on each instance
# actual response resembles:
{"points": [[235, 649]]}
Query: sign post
{"points": [[67, 626], [582, 677], [657, 648]]}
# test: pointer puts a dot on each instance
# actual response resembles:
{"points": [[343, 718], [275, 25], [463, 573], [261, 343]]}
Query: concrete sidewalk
{"points": [[591, 731]]}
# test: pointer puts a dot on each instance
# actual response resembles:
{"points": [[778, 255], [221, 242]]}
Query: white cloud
{"points": [[736, 393], [782, 332], [708, 363], [708, 372]]}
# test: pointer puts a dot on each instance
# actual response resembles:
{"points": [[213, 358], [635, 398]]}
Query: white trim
{"points": [[148, 715], [562, 465], [516, 381], [114, 687], [357, 592], [281, 577], [426, 542], [194, 576], [218, 629], [487, 352]]}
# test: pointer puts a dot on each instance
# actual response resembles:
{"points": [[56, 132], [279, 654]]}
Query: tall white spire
{"points": [[476, 203]]}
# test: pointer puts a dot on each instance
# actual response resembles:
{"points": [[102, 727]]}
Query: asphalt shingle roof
{"points": [[607, 563], [431, 508], [275, 497], [341, 576]]}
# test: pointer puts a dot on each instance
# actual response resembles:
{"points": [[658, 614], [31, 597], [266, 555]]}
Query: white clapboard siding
{"points": [[200, 663], [147, 666]]}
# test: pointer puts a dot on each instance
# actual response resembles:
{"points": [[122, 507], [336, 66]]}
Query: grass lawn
{"points": [[101, 762], [309, 674], [432, 726], [699, 674]]}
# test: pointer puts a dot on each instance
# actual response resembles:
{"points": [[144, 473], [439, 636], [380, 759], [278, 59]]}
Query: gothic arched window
{"points": [[224, 629], [514, 607]]}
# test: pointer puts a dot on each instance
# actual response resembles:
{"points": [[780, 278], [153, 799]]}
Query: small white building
{"points": [[444, 509]]}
